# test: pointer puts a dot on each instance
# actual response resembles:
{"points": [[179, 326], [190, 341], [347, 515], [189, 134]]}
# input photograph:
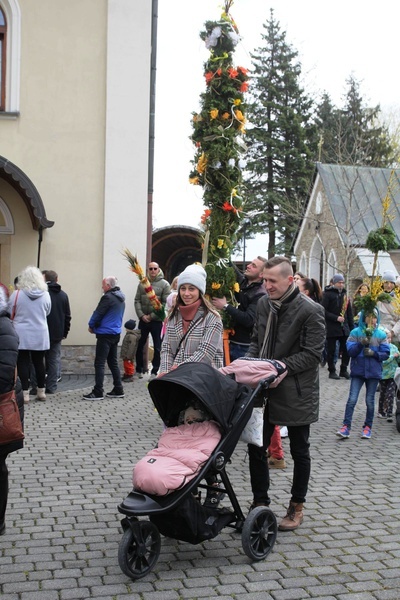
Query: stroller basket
{"points": [[180, 514]]}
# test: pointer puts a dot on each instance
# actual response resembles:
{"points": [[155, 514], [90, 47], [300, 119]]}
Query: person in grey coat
{"points": [[291, 328], [29, 306]]}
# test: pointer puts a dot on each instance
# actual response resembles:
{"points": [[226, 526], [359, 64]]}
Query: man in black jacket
{"points": [[339, 323], [59, 323], [251, 290]]}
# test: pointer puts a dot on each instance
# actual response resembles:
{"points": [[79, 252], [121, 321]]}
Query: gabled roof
{"points": [[362, 189]]}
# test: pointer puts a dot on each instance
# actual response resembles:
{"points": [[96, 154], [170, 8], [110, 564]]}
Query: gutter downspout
{"points": [[40, 239], [150, 189]]}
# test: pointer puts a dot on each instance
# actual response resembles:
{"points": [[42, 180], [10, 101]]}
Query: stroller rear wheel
{"points": [[259, 533], [139, 549]]}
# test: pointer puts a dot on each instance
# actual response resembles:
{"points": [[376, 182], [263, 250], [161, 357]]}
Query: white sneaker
{"points": [[284, 432]]}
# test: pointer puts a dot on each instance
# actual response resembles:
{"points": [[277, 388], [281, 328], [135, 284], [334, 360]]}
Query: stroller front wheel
{"points": [[139, 549], [259, 533]]}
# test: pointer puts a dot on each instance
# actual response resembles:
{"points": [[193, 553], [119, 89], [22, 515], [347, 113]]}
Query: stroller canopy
{"points": [[171, 392]]}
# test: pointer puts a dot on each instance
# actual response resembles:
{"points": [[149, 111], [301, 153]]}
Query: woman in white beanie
{"points": [[194, 327], [194, 334]]}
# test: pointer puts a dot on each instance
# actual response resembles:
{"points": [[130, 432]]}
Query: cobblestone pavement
{"points": [[63, 528]]}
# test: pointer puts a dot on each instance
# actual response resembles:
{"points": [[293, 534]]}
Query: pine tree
{"points": [[353, 135], [281, 139]]}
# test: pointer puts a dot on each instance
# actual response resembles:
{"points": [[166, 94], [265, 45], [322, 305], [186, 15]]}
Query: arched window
{"points": [[3, 54], [10, 55]]}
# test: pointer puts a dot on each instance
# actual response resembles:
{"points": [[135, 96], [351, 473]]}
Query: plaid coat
{"points": [[203, 342]]}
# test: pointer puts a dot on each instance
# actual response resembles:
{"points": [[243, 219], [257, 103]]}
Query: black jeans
{"points": [[154, 328], [331, 349], [3, 485], [106, 350], [24, 363], [300, 451]]}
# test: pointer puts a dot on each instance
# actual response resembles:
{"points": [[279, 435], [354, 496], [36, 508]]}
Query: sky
{"points": [[350, 38]]}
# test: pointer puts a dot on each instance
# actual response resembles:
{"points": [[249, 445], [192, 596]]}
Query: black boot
{"points": [[333, 375], [344, 373]]}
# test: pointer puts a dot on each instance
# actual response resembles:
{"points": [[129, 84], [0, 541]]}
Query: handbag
{"points": [[10, 420], [253, 431]]}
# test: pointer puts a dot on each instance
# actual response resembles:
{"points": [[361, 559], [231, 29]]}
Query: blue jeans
{"points": [[53, 359], [106, 350], [355, 388], [237, 350]]}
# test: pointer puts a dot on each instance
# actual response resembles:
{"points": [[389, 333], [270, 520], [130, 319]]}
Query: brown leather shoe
{"points": [[276, 463], [293, 518]]}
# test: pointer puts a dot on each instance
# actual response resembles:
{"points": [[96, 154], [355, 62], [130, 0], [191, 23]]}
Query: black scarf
{"points": [[271, 328]]}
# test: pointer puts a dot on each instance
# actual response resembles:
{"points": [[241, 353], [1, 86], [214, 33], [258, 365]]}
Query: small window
{"points": [[318, 204], [3, 46]]}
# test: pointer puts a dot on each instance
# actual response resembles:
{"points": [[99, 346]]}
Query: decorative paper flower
{"points": [[220, 243], [237, 102], [236, 287], [202, 163], [235, 37], [194, 180], [239, 115], [233, 73], [214, 113], [215, 286], [226, 115], [244, 87], [212, 39]]}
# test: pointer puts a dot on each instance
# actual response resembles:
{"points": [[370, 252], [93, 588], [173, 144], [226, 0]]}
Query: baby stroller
{"points": [[181, 514]]}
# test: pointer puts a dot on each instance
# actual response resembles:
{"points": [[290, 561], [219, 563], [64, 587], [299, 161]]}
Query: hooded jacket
{"points": [[30, 320], [107, 318], [59, 319], [332, 301], [161, 289], [367, 367]]}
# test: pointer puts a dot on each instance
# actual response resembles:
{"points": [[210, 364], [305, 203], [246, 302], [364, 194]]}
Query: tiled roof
{"points": [[362, 189]]}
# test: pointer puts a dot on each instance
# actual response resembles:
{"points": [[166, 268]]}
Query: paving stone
{"points": [[63, 534]]}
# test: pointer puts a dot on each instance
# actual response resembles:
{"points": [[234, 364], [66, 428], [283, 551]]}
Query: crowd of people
{"points": [[277, 314]]}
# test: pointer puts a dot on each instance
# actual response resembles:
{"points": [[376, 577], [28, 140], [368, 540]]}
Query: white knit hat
{"points": [[389, 276], [195, 275]]}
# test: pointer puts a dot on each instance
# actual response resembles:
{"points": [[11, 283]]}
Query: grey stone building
{"points": [[346, 203]]}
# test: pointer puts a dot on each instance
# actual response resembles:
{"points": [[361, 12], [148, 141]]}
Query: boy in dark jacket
{"points": [[368, 348], [129, 348]]}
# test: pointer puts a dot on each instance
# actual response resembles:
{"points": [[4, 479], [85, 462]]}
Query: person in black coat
{"points": [[59, 323], [8, 362], [339, 323]]}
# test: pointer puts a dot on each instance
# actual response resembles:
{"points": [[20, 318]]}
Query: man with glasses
{"points": [[149, 322]]}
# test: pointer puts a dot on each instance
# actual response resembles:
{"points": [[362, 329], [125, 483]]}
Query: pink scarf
{"points": [[187, 313]]}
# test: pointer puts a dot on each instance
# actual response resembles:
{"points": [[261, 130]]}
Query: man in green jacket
{"points": [[149, 322], [289, 327]]}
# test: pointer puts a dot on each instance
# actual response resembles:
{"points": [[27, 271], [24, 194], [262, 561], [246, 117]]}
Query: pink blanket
{"points": [[179, 456], [251, 372]]}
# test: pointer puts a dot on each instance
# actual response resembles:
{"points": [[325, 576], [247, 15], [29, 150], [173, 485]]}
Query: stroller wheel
{"points": [[259, 533], [139, 549]]}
